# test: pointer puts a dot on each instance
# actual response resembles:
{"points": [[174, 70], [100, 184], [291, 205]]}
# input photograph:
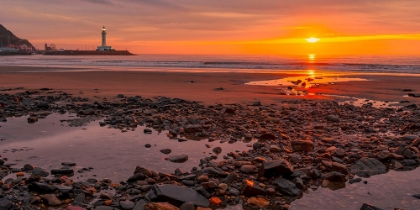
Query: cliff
{"points": [[7, 37]]}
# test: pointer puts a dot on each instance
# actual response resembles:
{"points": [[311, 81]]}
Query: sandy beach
{"points": [[228, 143], [201, 86]]}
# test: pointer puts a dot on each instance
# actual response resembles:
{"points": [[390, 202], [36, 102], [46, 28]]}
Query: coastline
{"points": [[186, 85], [311, 139]]}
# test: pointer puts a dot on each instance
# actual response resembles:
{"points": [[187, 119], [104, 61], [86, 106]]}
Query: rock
{"points": [[275, 148], [147, 131], [251, 189], [276, 168], [366, 206], [339, 167], [176, 195], [187, 206], [32, 119], [147, 145], [140, 205], [178, 158], [193, 128], [333, 118], [256, 103], [62, 171], [135, 177], [367, 167], [160, 206], [41, 187], [286, 187], [223, 186], [165, 151], [249, 169], [217, 150], [295, 158], [51, 199], [5, 204], [75, 208], [104, 208], [126, 205], [302, 145], [260, 202], [69, 164], [41, 172], [144, 171], [231, 177], [256, 145], [267, 137], [416, 196], [335, 176], [202, 178]]}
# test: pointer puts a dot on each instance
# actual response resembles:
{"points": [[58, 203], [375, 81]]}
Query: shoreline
{"points": [[100, 84], [303, 142]]}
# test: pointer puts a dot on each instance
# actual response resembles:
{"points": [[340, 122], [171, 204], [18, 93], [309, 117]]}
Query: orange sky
{"points": [[356, 27]]}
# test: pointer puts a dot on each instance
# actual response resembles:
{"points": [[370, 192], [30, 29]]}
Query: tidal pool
{"points": [[305, 81], [111, 153]]}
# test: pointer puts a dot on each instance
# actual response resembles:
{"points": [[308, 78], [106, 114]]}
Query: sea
{"points": [[224, 63]]}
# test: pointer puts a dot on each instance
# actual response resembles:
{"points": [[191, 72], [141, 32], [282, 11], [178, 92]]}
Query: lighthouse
{"points": [[103, 36], [104, 47]]}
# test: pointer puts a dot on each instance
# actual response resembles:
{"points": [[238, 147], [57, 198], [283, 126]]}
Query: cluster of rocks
{"points": [[301, 145]]}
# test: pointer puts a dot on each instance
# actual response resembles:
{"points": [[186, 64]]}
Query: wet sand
{"points": [[200, 86]]}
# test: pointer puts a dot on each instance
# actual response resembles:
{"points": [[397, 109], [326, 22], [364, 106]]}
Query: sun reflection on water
{"points": [[311, 58]]}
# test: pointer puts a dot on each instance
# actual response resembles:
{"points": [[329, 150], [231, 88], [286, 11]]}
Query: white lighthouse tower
{"points": [[104, 47]]}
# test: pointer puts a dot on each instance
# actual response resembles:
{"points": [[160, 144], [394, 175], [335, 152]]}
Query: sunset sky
{"points": [[221, 26]]}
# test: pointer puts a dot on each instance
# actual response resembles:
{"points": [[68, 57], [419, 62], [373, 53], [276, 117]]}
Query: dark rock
{"points": [[193, 128], [166, 151], [367, 167], [41, 172], [70, 164], [366, 206], [335, 176], [140, 205], [249, 169], [135, 177], [178, 158], [276, 168], [251, 189], [62, 171], [187, 206], [144, 171], [147, 131], [230, 178], [286, 187], [147, 145], [5, 204], [302, 145], [267, 137], [51, 199], [333, 118], [126, 205], [416, 196], [32, 119], [41, 187], [176, 195], [217, 150]]}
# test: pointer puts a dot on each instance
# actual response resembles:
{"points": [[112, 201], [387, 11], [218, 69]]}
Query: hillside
{"points": [[7, 37]]}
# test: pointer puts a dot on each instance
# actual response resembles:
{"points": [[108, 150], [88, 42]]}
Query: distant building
{"points": [[104, 47]]}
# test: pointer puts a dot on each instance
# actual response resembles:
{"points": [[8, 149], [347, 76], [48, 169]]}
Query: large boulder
{"points": [[286, 187], [176, 195], [367, 167], [280, 167], [178, 158]]}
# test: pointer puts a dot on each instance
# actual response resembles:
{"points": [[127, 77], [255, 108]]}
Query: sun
{"points": [[312, 40]]}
